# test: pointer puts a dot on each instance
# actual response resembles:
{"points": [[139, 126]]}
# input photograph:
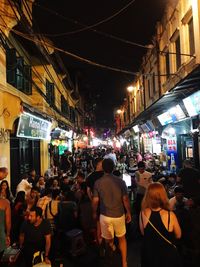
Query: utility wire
{"points": [[69, 53], [81, 24], [97, 23], [36, 86], [44, 66]]}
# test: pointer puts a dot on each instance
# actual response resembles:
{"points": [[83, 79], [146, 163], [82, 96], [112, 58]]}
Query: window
{"points": [[154, 83], [167, 64], [149, 88], [50, 94], [178, 52], [191, 36], [141, 97], [18, 74], [124, 117], [64, 107], [11, 64], [133, 105], [72, 114], [27, 80]]}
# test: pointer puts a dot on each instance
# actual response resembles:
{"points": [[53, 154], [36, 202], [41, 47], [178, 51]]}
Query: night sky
{"points": [[136, 24]]}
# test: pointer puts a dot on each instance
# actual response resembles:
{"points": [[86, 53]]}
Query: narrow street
{"points": [[99, 123], [91, 258]]}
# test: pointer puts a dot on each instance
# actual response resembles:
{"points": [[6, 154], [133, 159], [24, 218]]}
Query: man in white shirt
{"points": [[24, 185], [110, 155], [143, 179]]}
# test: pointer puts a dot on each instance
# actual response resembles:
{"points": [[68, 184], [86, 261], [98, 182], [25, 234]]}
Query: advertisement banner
{"points": [[172, 153]]}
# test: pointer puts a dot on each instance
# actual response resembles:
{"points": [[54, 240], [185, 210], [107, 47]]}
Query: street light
{"points": [[130, 88], [119, 111]]}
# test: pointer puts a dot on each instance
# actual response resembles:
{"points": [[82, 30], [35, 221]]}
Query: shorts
{"points": [[112, 226]]}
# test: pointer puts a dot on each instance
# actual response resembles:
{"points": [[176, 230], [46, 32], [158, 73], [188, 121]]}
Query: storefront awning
{"points": [[183, 89]]}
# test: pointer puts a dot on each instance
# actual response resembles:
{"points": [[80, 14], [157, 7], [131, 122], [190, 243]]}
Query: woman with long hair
{"points": [[5, 192], [160, 228], [18, 212]]}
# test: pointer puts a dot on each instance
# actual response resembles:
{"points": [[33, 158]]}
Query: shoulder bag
{"points": [[163, 237]]}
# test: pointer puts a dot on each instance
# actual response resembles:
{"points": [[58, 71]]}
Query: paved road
{"points": [[91, 259]]}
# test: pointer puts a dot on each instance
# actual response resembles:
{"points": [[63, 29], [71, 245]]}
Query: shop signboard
{"points": [[174, 114], [150, 125], [172, 153], [136, 129], [165, 118], [144, 128], [192, 104], [33, 127]]}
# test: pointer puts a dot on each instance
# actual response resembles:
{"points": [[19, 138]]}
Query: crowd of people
{"points": [[100, 191]]}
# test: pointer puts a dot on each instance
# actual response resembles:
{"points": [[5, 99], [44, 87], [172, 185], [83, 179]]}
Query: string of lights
{"points": [[88, 27]]}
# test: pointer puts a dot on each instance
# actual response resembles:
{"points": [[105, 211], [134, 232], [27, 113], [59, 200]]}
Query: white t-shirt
{"points": [[24, 185], [111, 156], [143, 180]]}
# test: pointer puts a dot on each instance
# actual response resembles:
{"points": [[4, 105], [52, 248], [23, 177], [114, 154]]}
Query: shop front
{"points": [[61, 140], [28, 146]]}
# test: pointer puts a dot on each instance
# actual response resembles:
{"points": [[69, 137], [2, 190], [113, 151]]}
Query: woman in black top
{"points": [[160, 228]]}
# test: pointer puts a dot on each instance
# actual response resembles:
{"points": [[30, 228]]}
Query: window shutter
{"points": [[27, 80], [50, 93], [11, 63], [19, 73]]}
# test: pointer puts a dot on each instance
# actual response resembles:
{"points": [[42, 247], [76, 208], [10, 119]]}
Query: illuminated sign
{"points": [[33, 127], [192, 104], [174, 114], [136, 129]]}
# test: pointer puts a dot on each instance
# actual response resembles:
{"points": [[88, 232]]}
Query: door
{"points": [[24, 156]]}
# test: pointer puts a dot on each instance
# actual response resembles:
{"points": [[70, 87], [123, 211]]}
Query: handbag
{"points": [[10, 255], [42, 263]]}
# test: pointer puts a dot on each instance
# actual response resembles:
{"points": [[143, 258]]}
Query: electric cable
{"points": [[50, 60], [69, 121], [71, 54], [100, 22], [94, 30], [90, 62], [36, 86], [45, 67]]}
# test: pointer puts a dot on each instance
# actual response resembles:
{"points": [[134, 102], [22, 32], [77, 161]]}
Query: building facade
{"points": [[169, 79], [37, 95]]}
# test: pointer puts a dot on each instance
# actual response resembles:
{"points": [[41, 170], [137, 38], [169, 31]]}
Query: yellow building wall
{"points": [[11, 98]]}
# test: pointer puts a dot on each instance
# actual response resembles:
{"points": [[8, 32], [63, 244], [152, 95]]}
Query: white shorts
{"points": [[112, 226]]}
